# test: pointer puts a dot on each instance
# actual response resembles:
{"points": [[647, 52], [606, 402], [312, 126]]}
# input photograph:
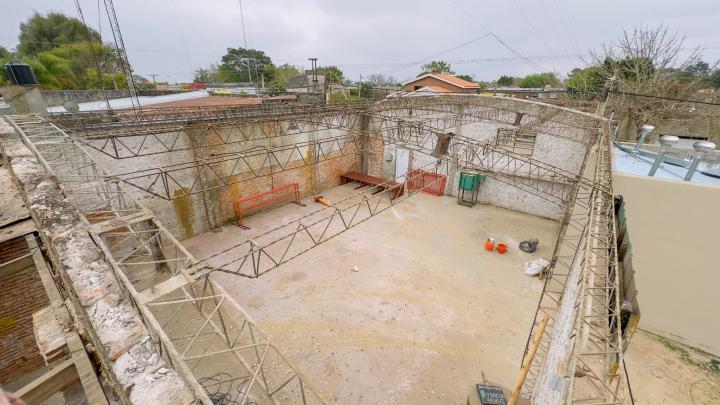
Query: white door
{"points": [[402, 160]]}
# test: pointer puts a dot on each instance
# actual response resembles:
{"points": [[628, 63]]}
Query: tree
{"points": [[53, 73], [91, 80], [700, 68], [536, 80], [650, 62], [4, 53], [585, 83], [505, 80], [43, 33], [715, 79], [83, 56], [467, 77], [245, 65], [332, 74], [377, 80], [437, 66], [282, 76]]}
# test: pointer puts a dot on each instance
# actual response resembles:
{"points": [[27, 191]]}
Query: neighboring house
{"points": [[522, 92], [441, 83]]}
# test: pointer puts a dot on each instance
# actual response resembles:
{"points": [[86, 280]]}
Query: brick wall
{"points": [[22, 295]]}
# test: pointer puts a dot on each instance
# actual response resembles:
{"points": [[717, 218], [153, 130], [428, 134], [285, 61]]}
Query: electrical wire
{"points": [[497, 38], [535, 30]]}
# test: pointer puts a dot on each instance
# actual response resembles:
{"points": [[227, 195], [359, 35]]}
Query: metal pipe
{"points": [[666, 141], [646, 130], [702, 148]]}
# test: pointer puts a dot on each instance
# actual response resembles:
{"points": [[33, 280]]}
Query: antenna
{"points": [[242, 23], [124, 62]]}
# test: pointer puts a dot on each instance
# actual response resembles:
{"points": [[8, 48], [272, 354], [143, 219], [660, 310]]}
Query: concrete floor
{"points": [[406, 307]]}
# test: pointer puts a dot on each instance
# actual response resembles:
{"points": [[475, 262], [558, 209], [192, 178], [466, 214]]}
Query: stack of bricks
{"points": [[22, 295]]}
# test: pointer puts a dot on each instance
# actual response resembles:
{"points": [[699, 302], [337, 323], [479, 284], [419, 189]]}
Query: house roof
{"points": [[454, 80]]}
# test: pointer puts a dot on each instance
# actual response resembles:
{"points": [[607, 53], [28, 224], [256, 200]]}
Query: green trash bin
{"points": [[468, 188]]}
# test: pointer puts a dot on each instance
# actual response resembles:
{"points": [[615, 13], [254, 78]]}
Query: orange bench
{"points": [[397, 189], [287, 192]]}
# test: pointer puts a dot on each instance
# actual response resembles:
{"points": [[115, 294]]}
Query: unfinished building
{"points": [[160, 234]]}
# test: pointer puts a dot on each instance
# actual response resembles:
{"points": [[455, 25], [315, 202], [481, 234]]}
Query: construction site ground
{"points": [[666, 372], [407, 307]]}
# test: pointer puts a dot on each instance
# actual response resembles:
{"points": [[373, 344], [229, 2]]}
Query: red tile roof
{"points": [[454, 80]]}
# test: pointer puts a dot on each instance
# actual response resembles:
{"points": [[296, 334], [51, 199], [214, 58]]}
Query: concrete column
{"points": [[364, 127], [195, 137]]}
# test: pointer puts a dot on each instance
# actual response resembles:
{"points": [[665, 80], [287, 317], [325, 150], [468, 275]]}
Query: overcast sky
{"points": [[174, 37]]}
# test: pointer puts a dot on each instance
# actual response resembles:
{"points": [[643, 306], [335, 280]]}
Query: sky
{"points": [[173, 38]]}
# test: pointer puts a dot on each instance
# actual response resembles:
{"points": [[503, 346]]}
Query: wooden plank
{"points": [[163, 288], [17, 229], [121, 222], [49, 383], [85, 370]]}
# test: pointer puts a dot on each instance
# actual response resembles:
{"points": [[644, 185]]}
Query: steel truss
{"points": [[194, 322], [261, 254], [229, 168], [581, 296], [147, 142], [584, 227]]}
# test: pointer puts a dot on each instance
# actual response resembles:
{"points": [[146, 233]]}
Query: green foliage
{"points": [[332, 74], [282, 76], [505, 80], [52, 72], [91, 80], [437, 66], [589, 81], [43, 33], [245, 65], [535, 80], [340, 98], [699, 68], [56, 48], [466, 77], [4, 53], [80, 57], [715, 79], [365, 90]]}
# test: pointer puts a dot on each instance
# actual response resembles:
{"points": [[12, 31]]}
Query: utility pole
{"points": [[153, 75], [313, 63]]}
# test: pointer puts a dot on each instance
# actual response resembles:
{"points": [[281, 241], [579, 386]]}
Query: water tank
{"points": [[20, 74]]}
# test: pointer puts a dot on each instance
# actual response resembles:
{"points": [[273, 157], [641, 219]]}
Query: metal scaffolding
{"points": [[194, 324], [166, 281]]}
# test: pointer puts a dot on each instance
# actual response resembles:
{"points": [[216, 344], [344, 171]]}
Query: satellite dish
{"points": [[71, 106]]}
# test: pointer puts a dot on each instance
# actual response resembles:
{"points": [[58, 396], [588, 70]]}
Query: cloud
{"points": [[174, 37]]}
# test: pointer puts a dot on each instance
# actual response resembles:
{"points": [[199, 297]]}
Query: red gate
{"points": [[427, 182]]}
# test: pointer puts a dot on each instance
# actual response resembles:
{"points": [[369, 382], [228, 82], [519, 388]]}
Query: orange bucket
{"points": [[490, 245], [501, 248]]}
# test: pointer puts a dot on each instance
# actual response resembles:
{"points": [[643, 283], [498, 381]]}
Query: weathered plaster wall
{"points": [[186, 216], [116, 326]]}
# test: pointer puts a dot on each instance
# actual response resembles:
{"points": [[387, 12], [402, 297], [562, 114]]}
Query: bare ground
{"points": [[404, 308]]}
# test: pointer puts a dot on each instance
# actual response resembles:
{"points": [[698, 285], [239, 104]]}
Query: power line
{"points": [[497, 38], [424, 60], [532, 26]]}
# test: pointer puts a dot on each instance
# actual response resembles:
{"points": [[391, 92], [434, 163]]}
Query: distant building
{"points": [[441, 83]]}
